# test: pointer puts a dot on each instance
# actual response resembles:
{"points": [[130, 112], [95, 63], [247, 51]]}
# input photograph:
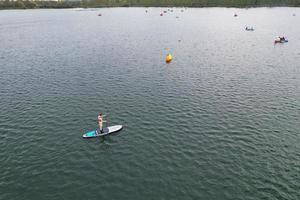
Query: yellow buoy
{"points": [[168, 58]]}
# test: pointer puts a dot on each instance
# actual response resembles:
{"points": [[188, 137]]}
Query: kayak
{"points": [[281, 41], [106, 131]]}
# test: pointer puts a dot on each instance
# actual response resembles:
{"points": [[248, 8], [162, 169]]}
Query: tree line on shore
{"points": [[26, 4], [189, 3]]}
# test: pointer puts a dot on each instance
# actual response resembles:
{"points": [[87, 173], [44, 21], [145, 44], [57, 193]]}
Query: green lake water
{"points": [[220, 122]]}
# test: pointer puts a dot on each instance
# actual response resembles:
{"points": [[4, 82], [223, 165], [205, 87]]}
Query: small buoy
{"points": [[100, 14], [235, 15], [169, 58], [161, 14]]}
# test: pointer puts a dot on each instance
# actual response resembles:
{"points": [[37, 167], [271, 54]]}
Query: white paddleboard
{"points": [[106, 131]]}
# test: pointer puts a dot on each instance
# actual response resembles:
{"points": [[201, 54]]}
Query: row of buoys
{"points": [[165, 11]]}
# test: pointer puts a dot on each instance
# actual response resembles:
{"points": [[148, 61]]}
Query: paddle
{"points": [[106, 120]]}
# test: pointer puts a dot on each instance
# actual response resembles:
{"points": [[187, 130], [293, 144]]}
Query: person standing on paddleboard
{"points": [[100, 122]]}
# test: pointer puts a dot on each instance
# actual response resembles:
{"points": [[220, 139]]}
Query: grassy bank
{"points": [[38, 4], [190, 3], [20, 4]]}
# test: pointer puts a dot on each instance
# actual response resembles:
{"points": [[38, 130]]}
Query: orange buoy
{"points": [[169, 58]]}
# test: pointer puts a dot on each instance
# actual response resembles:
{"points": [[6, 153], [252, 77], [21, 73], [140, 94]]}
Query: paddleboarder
{"points": [[100, 131], [100, 122]]}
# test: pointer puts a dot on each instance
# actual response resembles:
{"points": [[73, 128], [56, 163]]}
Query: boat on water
{"points": [[249, 28], [280, 39]]}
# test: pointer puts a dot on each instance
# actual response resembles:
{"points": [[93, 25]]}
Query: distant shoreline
{"points": [[50, 8], [20, 4]]}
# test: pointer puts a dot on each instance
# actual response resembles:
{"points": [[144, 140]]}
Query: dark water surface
{"points": [[222, 121]]}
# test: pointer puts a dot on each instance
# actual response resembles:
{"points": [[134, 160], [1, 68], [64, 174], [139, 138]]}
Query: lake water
{"points": [[221, 121]]}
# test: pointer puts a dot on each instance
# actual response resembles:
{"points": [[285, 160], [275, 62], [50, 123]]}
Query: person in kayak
{"points": [[100, 122]]}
